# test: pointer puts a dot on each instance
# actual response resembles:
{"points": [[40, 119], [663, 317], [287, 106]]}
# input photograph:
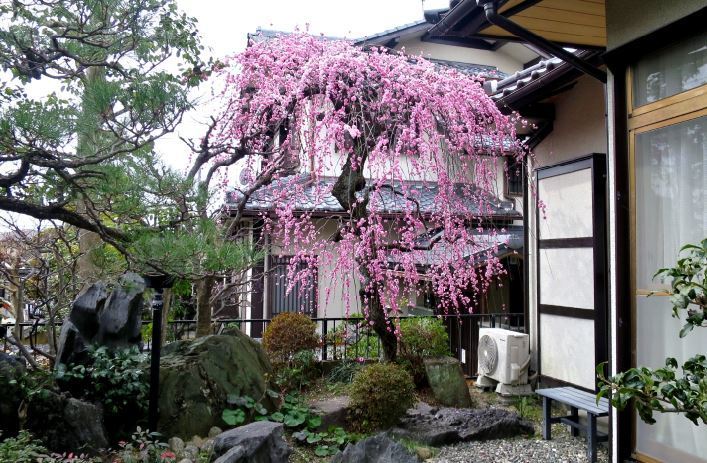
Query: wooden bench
{"points": [[576, 400]]}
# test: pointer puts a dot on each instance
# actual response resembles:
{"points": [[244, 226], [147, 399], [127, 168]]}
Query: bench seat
{"points": [[577, 400]]}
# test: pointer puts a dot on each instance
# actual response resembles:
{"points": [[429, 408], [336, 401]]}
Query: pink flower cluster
{"points": [[411, 127]]}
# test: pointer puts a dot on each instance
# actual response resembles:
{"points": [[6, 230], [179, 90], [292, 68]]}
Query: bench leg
{"points": [[592, 438], [547, 418], [574, 413]]}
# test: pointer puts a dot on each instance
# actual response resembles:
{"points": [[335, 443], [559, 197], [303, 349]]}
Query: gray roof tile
{"points": [[392, 203]]}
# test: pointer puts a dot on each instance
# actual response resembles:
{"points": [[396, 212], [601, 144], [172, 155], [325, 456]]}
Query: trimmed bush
{"points": [[380, 395], [288, 334], [421, 338]]}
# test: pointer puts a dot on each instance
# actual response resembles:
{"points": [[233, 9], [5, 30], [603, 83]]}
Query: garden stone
{"points": [[98, 317], [176, 444], [424, 453], [11, 372], [197, 441], [261, 441], [215, 431], [334, 411], [447, 426], [84, 311], [447, 381], [377, 449], [119, 320], [208, 445], [191, 451], [185, 460], [197, 376], [64, 423]]}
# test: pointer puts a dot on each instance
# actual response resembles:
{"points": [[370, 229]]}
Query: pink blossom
{"points": [[411, 127]]}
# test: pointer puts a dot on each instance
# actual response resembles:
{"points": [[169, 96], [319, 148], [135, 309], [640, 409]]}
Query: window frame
{"points": [[675, 109], [513, 163], [272, 291]]}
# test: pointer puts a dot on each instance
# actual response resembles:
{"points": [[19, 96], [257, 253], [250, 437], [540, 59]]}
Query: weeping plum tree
{"points": [[373, 119]]}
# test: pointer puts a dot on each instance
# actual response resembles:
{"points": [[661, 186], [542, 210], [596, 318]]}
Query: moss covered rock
{"points": [[197, 376]]}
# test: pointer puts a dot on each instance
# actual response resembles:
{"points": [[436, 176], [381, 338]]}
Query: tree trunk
{"points": [[376, 314], [204, 288], [18, 301], [88, 136]]}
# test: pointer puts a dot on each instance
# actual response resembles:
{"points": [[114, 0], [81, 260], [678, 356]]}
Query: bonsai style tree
{"points": [[665, 390], [301, 109], [84, 156]]}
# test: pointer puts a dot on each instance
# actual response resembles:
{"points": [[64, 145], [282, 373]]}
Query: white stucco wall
{"points": [[503, 61], [579, 129]]}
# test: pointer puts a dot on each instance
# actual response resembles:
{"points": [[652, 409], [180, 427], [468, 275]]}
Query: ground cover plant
{"points": [[298, 419]]}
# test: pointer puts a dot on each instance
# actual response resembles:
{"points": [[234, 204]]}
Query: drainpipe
{"points": [[506, 24]]}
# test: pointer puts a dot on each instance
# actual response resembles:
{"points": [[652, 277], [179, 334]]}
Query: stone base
{"points": [[484, 382], [507, 390]]}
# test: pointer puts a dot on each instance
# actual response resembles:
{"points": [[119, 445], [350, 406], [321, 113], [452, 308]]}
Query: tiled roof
{"points": [[487, 72], [519, 79], [388, 201], [422, 25], [503, 241], [534, 76]]}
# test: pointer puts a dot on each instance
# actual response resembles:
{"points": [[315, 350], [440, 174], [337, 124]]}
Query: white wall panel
{"points": [[567, 277], [567, 349], [568, 205]]}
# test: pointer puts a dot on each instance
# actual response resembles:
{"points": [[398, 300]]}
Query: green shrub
{"points": [[21, 449], [297, 373], [288, 334], [421, 338], [380, 395], [118, 380]]}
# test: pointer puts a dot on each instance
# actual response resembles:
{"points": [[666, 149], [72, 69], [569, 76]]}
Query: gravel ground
{"points": [[563, 448]]}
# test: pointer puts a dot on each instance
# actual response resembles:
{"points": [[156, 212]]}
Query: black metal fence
{"points": [[341, 338]]}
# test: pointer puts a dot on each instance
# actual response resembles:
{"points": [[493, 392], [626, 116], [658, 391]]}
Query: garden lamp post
{"points": [[158, 282]]}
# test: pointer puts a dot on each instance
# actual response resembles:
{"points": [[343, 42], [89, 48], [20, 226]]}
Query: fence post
{"points": [[324, 339], [155, 351], [493, 321]]}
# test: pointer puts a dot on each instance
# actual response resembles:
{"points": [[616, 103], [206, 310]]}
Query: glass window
{"points": [[670, 71], [671, 210], [514, 179]]}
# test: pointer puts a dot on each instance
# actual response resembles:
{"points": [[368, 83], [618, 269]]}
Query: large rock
{"points": [[197, 376], [64, 423], [377, 449], [333, 411], [258, 442], [119, 321], [103, 318], [447, 381], [446, 426], [11, 371]]}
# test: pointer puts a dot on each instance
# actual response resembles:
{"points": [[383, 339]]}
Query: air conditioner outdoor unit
{"points": [[504, 357]]}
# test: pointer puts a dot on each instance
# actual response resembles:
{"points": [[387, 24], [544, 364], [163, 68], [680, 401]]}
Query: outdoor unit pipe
{"points": [[506, 24]]}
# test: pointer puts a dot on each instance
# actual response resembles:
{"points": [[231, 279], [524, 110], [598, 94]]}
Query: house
{"points": [[269, 296], [619, 170]]}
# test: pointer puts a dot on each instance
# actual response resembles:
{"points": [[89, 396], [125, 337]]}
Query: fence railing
{"points": [[341, 338]]}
